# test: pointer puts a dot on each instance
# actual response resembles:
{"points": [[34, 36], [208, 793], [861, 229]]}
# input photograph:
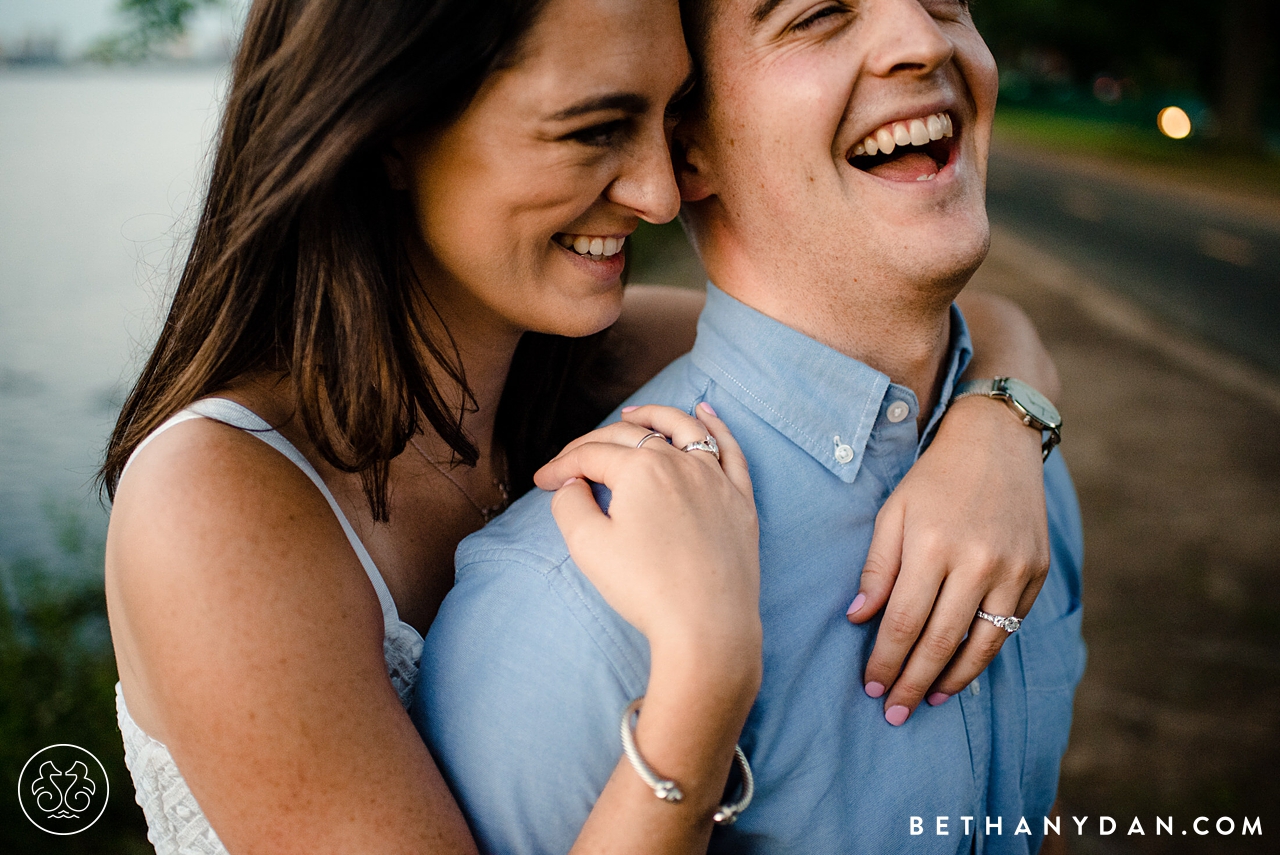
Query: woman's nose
{"points": [[647, 183]]}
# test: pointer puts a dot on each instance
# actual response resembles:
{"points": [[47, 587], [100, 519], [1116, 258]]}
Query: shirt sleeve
{"points": [[524, 677]]}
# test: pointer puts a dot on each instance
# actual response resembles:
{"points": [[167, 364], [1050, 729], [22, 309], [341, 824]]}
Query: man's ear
{"points": [[691, 165], [396, 166]]}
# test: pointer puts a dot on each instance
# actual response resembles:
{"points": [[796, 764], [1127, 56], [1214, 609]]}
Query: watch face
{"points": [[1037, 406]]}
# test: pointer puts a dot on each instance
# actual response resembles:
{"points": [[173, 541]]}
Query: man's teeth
{"points": [[589, 245], [911, 132]]}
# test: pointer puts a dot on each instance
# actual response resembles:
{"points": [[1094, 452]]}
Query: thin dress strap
{"points": [[239, 416]]}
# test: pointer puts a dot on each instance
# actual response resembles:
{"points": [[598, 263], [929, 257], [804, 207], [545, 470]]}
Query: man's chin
{"points": [[945, 262]]}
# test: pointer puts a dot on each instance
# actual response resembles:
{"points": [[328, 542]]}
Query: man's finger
{"points": [[883, 562]]}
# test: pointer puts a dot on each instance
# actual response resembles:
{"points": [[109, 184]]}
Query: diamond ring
{"points": [[1008, 624], [708, 444]]}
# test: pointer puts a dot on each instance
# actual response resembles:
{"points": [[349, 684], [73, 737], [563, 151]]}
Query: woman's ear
{"points": [[396, 166], [691, 166]]}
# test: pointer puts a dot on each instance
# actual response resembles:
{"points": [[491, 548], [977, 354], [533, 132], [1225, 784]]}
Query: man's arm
{"points": [[519, 703]]}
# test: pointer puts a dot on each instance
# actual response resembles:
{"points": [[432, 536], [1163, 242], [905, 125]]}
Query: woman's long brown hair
{"points": [[299, 262]]}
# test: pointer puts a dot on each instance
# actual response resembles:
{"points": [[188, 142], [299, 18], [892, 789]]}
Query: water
{"points": [[98, 173]]}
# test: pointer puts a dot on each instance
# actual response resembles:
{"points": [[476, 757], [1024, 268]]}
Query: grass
{"points": [[1194, 160], [58, 675]]}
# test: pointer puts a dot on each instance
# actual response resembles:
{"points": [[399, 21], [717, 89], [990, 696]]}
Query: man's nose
{"points": [[647, 182], [904, 39]]}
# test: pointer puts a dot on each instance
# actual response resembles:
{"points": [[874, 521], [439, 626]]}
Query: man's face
{"points": [[797, 90]]}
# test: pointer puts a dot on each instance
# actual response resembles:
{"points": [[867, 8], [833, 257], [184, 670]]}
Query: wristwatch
{"points": [[1035, 410]]}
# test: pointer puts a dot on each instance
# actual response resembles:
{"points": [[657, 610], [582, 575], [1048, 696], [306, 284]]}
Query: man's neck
{"points": [[906, 340]]}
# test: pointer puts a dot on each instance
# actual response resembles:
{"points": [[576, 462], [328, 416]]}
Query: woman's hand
{"points": [[678, 557], [678, 553], [965, 529]]}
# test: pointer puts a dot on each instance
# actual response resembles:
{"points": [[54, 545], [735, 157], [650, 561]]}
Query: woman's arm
{"points": [[250, 643], [965, 529], [1006, 343], [691, 588]]}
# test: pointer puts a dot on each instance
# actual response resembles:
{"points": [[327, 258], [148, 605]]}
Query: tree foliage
{"points": [[1224, 51], [152, 25]]}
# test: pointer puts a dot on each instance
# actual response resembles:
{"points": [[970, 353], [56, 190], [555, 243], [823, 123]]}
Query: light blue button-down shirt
{"points": [[526, 669]]}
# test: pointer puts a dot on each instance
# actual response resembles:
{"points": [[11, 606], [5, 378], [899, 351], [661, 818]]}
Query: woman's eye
{"points": [[824, 12], [598, 135]]}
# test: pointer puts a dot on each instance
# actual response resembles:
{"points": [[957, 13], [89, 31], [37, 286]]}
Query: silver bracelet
{"points": [[667, 789]]}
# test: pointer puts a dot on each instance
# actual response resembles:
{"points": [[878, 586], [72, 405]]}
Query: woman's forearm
{"points": [[1006, 344], [687, 730]]}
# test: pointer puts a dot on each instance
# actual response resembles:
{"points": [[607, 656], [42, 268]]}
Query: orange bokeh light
{"points": [[1174, 123]]}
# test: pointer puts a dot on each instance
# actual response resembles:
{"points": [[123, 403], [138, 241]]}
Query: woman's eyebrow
{"points": [[628, 102]]}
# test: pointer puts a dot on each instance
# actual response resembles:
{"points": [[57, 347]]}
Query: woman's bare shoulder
{"points": [[224, 560]]}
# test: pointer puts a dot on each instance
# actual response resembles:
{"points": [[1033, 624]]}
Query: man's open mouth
{"points": [[907, 150]]}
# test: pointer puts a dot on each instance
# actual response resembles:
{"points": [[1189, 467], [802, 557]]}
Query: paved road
{"points": [[1200, 260]]}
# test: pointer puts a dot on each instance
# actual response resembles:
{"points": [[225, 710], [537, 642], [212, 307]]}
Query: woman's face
{"points": [[524, 202]]}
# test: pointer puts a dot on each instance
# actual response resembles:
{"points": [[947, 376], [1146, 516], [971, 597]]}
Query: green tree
{"points": [[1223, 51], [152, 25]]}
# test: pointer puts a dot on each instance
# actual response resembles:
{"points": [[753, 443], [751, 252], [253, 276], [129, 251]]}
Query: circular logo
{"points": [[63, 789]]}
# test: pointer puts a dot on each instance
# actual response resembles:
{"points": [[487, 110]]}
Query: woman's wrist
{"points": [[692, 715], [707, 657], [980, 419]]}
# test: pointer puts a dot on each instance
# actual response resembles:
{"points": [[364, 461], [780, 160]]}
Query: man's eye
{"points": [[598, 135], [824, 12]]}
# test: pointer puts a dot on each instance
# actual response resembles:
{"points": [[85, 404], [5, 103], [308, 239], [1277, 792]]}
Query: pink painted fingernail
{"points": [[856, 604], [567, 483], [874, 689], [896, 715], [707, 407], [937, 699], [629, 409]]}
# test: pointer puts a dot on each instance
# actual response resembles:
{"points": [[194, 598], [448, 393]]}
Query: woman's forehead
{"points": [[580, 46]]}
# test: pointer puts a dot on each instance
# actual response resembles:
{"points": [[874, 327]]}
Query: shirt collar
{"points": [[810, 393]]}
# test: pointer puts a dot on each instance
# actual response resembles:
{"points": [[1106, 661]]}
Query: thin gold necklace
{"points": [[486, 513]]}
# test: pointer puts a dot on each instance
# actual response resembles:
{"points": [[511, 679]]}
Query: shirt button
{"points": [[898, 411], [843, 453], [975, 688]]}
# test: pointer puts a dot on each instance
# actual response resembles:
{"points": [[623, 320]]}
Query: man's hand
{"points": [[965, 529]]}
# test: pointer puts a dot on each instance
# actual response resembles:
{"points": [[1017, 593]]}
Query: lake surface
{"points": [[98, 173]]}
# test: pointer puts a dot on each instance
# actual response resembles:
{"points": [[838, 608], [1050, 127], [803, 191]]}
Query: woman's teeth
{"points": [[603, 247], [920, 131]]}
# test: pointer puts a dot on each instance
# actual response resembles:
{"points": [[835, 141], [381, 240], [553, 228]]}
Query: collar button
{"points": [[897, 411], [844, 453]]}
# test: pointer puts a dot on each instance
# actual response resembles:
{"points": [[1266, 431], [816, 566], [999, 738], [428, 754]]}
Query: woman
{"points": [[412, 206]]}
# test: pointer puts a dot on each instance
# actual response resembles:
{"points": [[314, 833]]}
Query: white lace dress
{"points": [[175, 823]]}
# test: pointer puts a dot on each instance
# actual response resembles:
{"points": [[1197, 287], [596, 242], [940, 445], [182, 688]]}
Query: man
{"points": [[830, 347]]}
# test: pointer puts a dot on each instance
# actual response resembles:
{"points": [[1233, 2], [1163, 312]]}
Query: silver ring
{"points": [[1008, 624], [651, 435], [708, 444]]}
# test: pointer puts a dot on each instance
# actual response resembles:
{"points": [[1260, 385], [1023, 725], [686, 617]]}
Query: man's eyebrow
{"points": [[627, 102], [764, 9]]}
